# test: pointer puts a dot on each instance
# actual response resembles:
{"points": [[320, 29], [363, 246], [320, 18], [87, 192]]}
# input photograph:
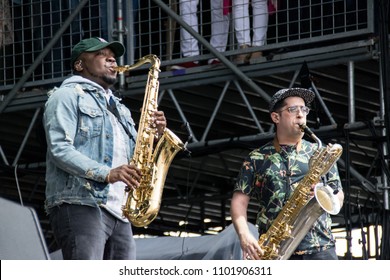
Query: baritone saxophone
{"points": [[143, 203]]}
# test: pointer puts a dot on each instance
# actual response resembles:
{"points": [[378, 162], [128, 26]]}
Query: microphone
{"points": [[186, 126]]}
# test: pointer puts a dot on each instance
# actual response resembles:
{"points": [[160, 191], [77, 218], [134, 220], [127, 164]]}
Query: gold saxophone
{"points": [[300, 212], [143, 203]]}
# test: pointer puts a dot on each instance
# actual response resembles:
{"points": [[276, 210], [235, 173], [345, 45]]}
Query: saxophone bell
{"points": [[324, 194], [327, 199]]}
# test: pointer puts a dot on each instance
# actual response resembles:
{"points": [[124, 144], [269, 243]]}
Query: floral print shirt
{"points": [[271, 173]]}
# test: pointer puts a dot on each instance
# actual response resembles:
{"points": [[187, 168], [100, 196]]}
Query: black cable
{"points": [[363, 241], [188, 154]]}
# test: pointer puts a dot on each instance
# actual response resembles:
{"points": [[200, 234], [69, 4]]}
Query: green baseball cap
{"points": [[95, 44]]}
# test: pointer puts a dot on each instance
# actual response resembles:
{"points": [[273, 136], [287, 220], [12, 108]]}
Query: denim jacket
{"points": [[79, 136]]}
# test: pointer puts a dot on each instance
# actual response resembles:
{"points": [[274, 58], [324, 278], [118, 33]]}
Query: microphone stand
{"points": [[363, 233], [186, 126]]}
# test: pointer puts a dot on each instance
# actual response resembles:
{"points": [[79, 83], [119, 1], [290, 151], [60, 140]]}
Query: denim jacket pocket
{"points": [[91, 120]]}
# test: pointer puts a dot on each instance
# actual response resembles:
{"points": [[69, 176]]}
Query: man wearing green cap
{"points": [[271, 173], [91, 139]]}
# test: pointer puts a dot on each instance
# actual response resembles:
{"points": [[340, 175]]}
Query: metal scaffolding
{"points": [[221, 110]]}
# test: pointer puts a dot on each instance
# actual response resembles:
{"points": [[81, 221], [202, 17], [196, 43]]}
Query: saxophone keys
{"points": [[287, 231]]}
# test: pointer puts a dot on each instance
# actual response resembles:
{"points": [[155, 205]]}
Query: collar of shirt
{"points": [[278, 148]]}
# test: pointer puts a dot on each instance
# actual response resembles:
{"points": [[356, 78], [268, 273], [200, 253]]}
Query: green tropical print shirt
{"points": [[270, 174]]}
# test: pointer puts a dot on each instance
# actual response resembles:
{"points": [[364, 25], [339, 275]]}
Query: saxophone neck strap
{"points": [[111, 106]]}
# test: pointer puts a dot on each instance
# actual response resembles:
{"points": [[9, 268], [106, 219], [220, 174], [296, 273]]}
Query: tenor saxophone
{"points": [[143, 203], [301, 211]]}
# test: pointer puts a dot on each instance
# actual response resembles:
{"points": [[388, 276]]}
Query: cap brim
{"points": [[115, 46]]}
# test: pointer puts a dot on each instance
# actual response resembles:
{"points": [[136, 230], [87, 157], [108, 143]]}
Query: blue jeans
{"points": [[88, 233], [329, 254]]}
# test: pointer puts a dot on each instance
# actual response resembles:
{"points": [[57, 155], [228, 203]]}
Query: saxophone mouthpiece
{"points": [[306, 129], [121, 69]]}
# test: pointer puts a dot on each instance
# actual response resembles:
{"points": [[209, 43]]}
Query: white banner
{"points": [[191, 269]]}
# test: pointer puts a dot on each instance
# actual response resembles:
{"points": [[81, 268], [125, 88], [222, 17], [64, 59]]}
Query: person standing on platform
{"points": [[242, 26], [220, 23], [220, 19], [188, 44]]}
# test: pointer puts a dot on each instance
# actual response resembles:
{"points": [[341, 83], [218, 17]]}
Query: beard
{"points": [[108, 80], [102, 77]]}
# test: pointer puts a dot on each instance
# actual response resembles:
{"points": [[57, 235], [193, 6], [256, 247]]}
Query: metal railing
{"points": [[27, 29]]}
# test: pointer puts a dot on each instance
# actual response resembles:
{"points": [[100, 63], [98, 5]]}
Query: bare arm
{"points": [[249, 244]]}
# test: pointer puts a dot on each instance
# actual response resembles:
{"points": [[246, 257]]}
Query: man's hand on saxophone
{"points": [[250, 248], [160, 123], [127, 173]]}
